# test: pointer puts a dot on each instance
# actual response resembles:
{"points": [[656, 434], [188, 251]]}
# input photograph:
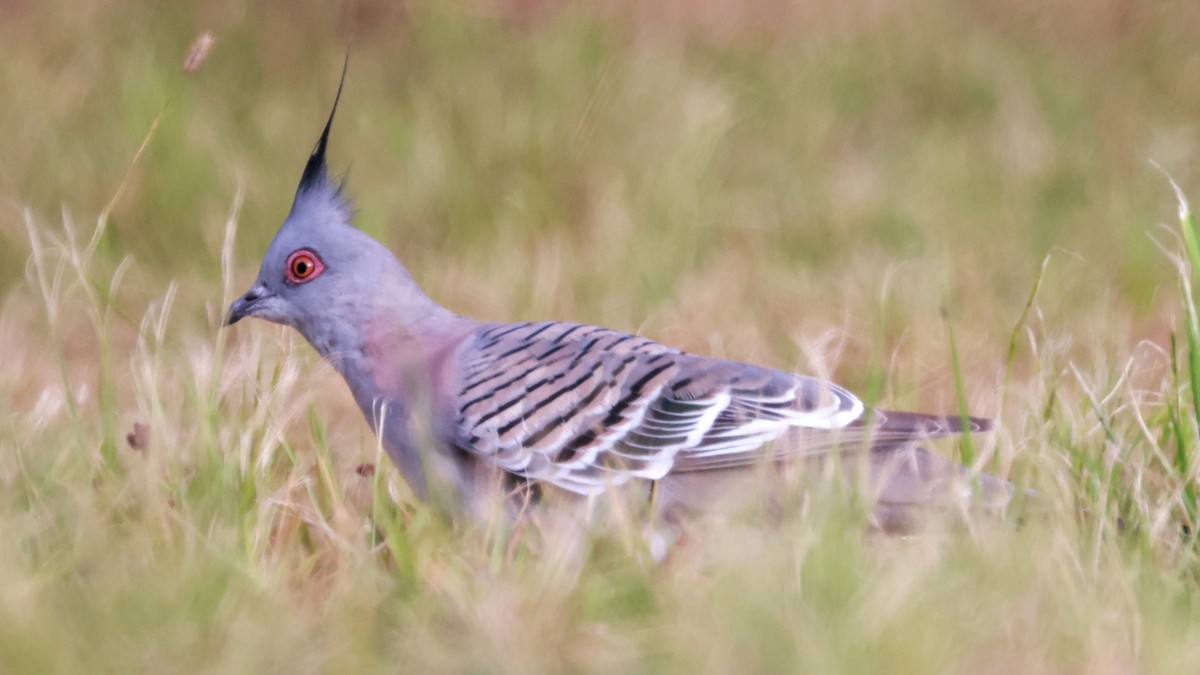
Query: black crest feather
{"points": [[314, 171]]}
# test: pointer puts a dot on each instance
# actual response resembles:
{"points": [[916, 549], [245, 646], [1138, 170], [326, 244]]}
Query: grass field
{"points": [[808, 186]]}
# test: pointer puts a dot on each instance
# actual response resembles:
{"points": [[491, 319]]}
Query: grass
{"points": [[800, 186]]}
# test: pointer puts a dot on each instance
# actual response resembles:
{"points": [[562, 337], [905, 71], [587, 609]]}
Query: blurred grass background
{"points": [[801, 184], [807, 151]]}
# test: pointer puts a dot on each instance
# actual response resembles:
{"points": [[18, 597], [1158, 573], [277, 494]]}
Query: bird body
{"points": [[582, 408]]}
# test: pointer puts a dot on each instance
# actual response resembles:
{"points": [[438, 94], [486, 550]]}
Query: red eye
{"points": [[303, 265]]}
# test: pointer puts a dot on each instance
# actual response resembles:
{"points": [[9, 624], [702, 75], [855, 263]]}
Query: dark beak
{"points": [[245, 305]]}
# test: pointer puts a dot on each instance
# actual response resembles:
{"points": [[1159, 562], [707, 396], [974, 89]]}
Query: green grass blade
{"points": [[966, 444]]}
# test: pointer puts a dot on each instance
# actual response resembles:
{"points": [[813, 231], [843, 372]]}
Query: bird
{"points": [[577, 408]]}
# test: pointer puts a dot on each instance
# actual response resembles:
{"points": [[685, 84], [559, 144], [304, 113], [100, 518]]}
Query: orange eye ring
{"points": [[303, 266]]}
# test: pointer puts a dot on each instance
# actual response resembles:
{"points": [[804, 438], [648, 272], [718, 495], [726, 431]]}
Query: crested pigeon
{"points": [[582, 408]]}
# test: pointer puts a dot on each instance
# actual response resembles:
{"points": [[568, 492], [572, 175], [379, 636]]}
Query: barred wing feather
{"points": [[585, 407]]}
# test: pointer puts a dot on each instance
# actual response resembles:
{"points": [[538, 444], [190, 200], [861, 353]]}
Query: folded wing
{"points": [[585, 408]]}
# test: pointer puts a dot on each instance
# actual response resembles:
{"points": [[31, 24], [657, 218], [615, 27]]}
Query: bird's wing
{"points": [[585, 407]]}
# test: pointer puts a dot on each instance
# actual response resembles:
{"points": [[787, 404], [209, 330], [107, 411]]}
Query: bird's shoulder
{"points": [[511, 362], [491, 340]]}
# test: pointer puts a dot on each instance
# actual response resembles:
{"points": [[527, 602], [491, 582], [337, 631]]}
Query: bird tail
{"points": [[896, 424]]}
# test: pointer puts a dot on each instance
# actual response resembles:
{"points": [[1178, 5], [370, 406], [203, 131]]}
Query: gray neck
{"points": [[384, 316], [382, 337]]}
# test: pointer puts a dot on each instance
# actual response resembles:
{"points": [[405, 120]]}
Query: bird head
{"points": [[320, 275]]}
